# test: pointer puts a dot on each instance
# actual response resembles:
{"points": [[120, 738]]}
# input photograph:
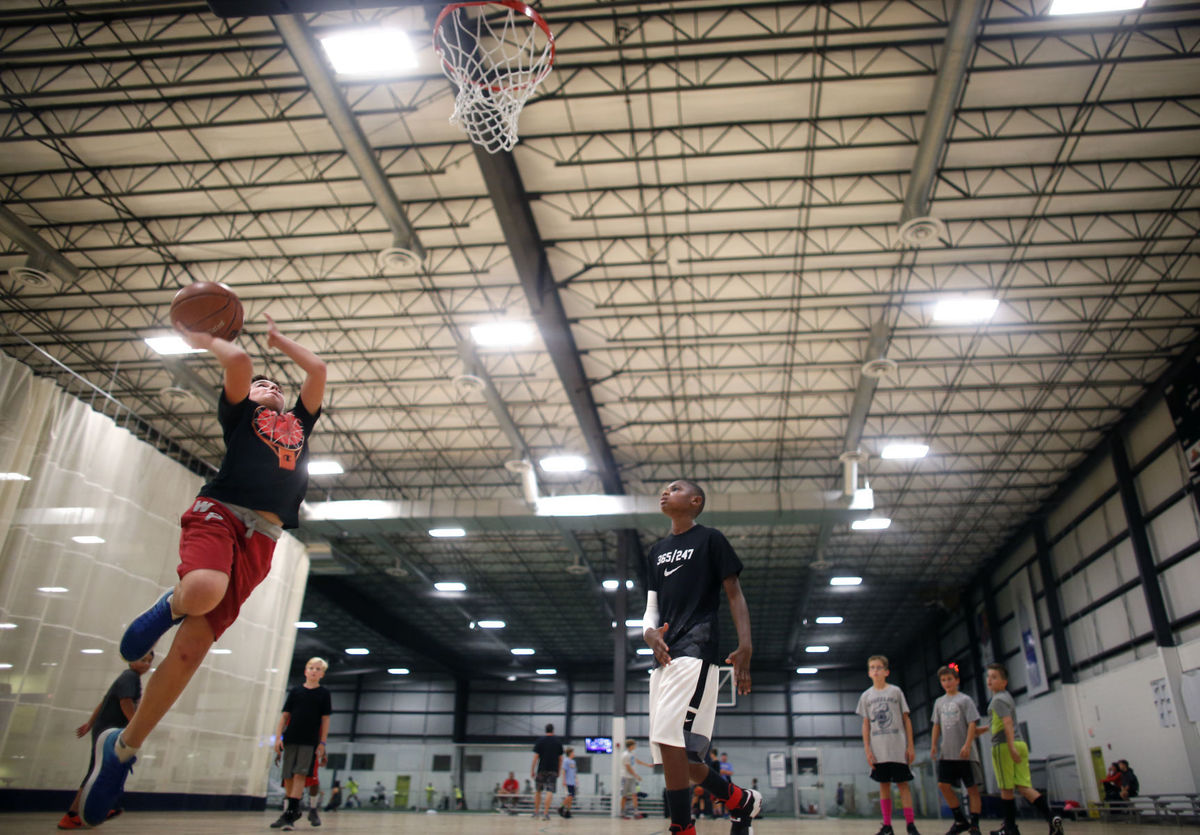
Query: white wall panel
{"points": [[1174, 529], [1181, 587], [1149, 431], [1161, 478], [1100, 479]]}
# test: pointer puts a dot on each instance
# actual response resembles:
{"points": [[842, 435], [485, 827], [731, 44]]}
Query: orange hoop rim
{"points": [[515, 5]]}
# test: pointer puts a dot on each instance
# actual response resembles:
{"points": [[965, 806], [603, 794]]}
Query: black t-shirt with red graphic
{"points": [[266, 458]]}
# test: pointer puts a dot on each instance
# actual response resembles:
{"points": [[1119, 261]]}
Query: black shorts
{"points": [[546, 780], [956, 772], [571, 789], [891, 773]]}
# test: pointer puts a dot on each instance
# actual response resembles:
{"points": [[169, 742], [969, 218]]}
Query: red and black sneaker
{"points": [[744, 806], [70, 820], [690, 829]]}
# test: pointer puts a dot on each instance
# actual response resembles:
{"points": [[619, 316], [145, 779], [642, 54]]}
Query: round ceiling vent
{"points": [[175, 396], [467, 384], [923, 231], [882, 367], [576, 568], [395, 571], [517, 465], [398, 259], [34, 278]]}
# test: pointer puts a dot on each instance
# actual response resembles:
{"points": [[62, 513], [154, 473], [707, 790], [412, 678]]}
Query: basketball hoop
{"points": [[496, 60]]}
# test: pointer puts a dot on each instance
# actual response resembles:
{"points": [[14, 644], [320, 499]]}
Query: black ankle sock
{"points": [[1010, 812], [957, 811], [679, 806], [975, 819], [1044, 807], [293, 806], [715, 785]]}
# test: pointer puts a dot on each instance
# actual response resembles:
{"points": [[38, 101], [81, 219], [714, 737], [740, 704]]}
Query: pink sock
{"points": [[908, 815], [885, 805]]}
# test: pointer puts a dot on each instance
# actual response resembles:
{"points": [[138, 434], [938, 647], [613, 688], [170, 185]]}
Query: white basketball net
{"points": [[496, 60]]}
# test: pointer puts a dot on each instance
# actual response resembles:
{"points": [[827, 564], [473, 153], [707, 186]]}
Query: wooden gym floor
{"points": [[363, 822]]}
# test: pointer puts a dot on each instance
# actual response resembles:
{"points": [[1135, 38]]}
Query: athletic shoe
{"points": [[284, 820], [957, 827], [742, 815], [676, 829], [912, 829], [974, 830], [141, 635], [1006, 830], [70, 820], [886, 829], [313, 817], [1056, 827], [104, 785]]}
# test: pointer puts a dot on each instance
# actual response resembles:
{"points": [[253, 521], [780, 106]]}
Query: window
{"points": [[583, 765], [441, 762], [362, 762], [337, 762], [475, 762]]}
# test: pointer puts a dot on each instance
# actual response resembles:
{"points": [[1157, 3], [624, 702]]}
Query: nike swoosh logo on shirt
{"points": [[672, 571]]}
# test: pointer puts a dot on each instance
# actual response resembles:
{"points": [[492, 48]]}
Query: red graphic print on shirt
{"points": [[281, 432]]}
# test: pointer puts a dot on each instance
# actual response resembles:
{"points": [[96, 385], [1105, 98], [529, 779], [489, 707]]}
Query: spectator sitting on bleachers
{"points": [[1129, 781], [1112, 784]]}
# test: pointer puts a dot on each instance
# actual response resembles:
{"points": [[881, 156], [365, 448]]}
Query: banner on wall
{"points": [[777, 769], [1183, 400], [1028, 633]]}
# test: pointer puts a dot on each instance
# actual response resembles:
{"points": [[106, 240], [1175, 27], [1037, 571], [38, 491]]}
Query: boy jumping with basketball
{"points": [[686, 572], [228, 536]]}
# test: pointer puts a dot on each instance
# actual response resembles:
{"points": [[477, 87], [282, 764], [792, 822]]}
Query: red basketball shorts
{"points": [[213, 537]]}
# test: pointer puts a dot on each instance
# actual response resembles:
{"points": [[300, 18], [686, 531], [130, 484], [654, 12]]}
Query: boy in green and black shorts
{"points": [[1010, 756]]}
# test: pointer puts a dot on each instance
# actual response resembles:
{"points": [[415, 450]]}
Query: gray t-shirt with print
{"points": [[885, 709], [954, 715]]}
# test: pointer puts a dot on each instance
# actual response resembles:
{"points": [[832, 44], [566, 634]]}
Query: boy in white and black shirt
{"points": [[687, 571]]}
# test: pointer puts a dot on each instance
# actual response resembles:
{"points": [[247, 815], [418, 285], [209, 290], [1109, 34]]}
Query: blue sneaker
{"points": [[141, 635], [105, 785]]}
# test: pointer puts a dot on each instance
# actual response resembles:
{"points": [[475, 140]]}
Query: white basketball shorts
{"points": [[683, 705]]}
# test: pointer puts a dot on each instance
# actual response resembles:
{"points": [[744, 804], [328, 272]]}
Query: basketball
{"points": [[208, 307]]}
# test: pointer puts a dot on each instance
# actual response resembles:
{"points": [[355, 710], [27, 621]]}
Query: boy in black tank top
{"points": [[226, 542]]}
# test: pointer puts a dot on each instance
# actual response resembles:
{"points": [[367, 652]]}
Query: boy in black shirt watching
{"points": [[303, 729], [687, 571], [113, 711], [226, 542]]}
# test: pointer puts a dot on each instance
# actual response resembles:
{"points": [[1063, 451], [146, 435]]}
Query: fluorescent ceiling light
{"points": [[845, 581], [92, 651], [8, 626], [88, 540], [645, 651], [502, 334], [352, 509], [379, 51], [546, 671], [450, 586], [13, 477], [398, 671], [5, 666], [447, 533], [633, 623], [53, 589], [583, 505], [1093, 6], [510, 678], [306, 624], [168, 345], [902, 452], [220, 651], [611, 585], [817, 648], [964, 310], [521, 651], [829, 619], [806, 671], [875, 523], [491, 624], [325, 468], [357, 651], [563, 464]]}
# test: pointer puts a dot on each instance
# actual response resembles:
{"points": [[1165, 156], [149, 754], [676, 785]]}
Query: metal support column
{"points": [[358, 685], [977, 672], [462, 701], [620, 642], [1066, 670], [989, 609]]}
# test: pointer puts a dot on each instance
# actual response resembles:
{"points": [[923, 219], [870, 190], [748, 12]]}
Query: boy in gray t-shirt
{"points": [[954, 725], [888, 740]]}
